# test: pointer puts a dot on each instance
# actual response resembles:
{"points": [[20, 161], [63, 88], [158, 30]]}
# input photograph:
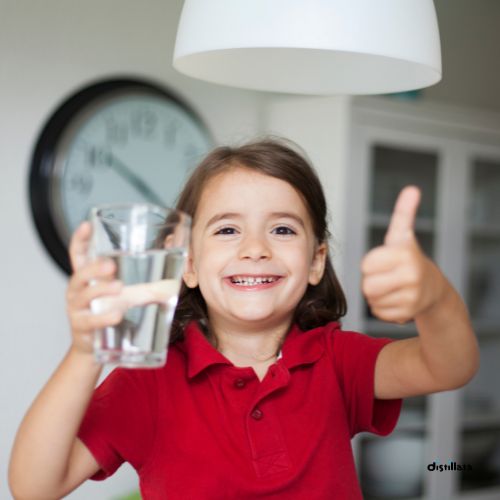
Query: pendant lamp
{"points": [[322, 47]]}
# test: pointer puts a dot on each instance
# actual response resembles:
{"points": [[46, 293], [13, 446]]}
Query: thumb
{"points": [[403, 216], [78, 247]]}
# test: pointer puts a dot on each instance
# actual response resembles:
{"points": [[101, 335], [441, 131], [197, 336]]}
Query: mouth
{"points": [[253, 282]]}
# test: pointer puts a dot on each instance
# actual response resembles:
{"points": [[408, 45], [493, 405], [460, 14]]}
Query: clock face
{"points": [[131, 147], [116, 142]]}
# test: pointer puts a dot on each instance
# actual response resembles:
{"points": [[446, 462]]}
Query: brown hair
{"points": [[275, 157]]}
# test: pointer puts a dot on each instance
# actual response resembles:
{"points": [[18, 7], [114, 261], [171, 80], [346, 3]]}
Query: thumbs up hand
{"points": [[399, 280]]}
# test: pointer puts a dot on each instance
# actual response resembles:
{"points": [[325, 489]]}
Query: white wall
{"points": [[47, 50]]}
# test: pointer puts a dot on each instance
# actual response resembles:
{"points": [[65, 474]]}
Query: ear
{"points": [[318, 264], [190, 276]]}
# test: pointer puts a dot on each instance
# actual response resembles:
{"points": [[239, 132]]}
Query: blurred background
{"points": [[446, 139]]}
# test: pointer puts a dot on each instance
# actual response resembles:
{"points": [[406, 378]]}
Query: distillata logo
{"points": [[450, 465]]}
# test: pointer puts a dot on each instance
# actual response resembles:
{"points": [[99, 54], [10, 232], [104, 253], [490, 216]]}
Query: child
{"points": [[262, 391]]}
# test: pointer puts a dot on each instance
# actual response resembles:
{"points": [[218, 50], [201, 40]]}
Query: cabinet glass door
{"points": [[393, 467], [480, 426], [393, 168]]}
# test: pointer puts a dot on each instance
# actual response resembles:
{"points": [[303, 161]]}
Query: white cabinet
{"points": [[454, 157]]}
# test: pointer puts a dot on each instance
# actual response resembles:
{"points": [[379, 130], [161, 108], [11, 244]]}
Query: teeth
{"points": [[250, 280]]}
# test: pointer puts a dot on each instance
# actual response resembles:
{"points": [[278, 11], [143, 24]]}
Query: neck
{"points": [[253, 346]]}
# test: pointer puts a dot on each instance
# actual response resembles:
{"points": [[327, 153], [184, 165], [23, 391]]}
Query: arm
{"points": [[47, 459], [444, 356], [401, 284]]}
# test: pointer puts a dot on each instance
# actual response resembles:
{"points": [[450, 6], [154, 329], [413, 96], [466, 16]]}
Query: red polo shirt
{"points": [[202, 428]]}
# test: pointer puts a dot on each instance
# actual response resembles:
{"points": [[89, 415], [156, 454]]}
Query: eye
{"points": [[284, 230], [225, 230]]}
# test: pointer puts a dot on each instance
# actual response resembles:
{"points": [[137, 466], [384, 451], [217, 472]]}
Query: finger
{"points": [[149, 293], [379, 285], [101, 289], [158, 292], [391, 315], [402, 298], [403, 217], [98, 270], [382, 259], [86, 321], [79, 245]]}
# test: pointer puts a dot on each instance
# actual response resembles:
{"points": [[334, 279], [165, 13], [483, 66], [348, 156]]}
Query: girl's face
{"points": [[253, 250]]}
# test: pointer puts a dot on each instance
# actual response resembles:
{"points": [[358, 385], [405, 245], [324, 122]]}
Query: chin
{"points": [[253, 318], [256, 317]]}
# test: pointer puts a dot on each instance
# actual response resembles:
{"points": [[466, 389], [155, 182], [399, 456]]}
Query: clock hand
{"points": [[118, 166]]}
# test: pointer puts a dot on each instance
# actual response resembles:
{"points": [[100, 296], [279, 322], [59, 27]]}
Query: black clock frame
{"points": [[44, 154]]}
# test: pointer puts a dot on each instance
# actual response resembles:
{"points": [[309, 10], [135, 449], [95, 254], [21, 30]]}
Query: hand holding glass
{"points": [[148, 245]]}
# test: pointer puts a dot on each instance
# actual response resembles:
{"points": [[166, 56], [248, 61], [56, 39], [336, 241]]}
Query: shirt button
{"points": [[239, 383], [257, 414]]}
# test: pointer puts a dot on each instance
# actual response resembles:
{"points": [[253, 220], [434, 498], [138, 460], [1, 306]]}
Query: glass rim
{"points": [[185, 218]]}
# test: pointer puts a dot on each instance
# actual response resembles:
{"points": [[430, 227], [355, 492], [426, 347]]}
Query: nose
{"points": [[254, 247]]}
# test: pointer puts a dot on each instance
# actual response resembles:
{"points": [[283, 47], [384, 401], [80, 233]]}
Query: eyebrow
{"points": [[235, 215]]}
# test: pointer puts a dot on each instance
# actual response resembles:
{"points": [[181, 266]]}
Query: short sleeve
{"points": [[355, 355], [119, 423]]}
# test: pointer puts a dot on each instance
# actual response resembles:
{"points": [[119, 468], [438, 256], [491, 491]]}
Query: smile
{"points": [[252, 282]]}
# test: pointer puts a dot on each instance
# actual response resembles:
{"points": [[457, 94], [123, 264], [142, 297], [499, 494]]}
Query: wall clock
{"points": [[114, 141]]}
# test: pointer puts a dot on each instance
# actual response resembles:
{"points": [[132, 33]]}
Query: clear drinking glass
{"points": [[149, 245]]}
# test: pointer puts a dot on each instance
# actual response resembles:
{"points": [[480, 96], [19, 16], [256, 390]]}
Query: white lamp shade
{"points": [[322, 47]]}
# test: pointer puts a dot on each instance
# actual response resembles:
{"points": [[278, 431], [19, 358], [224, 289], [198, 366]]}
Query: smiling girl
{"points": [[262, 391]]}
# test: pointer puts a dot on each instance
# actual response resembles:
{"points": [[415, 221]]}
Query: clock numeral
{"points": [[116, 132], [143, 123], [81, 183], [97, 157]]}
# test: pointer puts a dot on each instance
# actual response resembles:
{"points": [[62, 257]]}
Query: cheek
{"points": [[210, 260], [301, 256]]}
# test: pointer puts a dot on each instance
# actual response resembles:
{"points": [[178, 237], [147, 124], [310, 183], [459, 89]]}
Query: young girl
{"points": [[262, 391]]}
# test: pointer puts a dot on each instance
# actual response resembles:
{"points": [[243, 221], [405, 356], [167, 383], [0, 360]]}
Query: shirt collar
{"points": [[299, 348]]}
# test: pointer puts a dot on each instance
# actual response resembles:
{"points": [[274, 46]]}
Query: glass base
{"points": [[131, 359]]}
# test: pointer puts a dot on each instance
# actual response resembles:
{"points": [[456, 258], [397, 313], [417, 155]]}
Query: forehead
{"points": [[245, 191]]}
